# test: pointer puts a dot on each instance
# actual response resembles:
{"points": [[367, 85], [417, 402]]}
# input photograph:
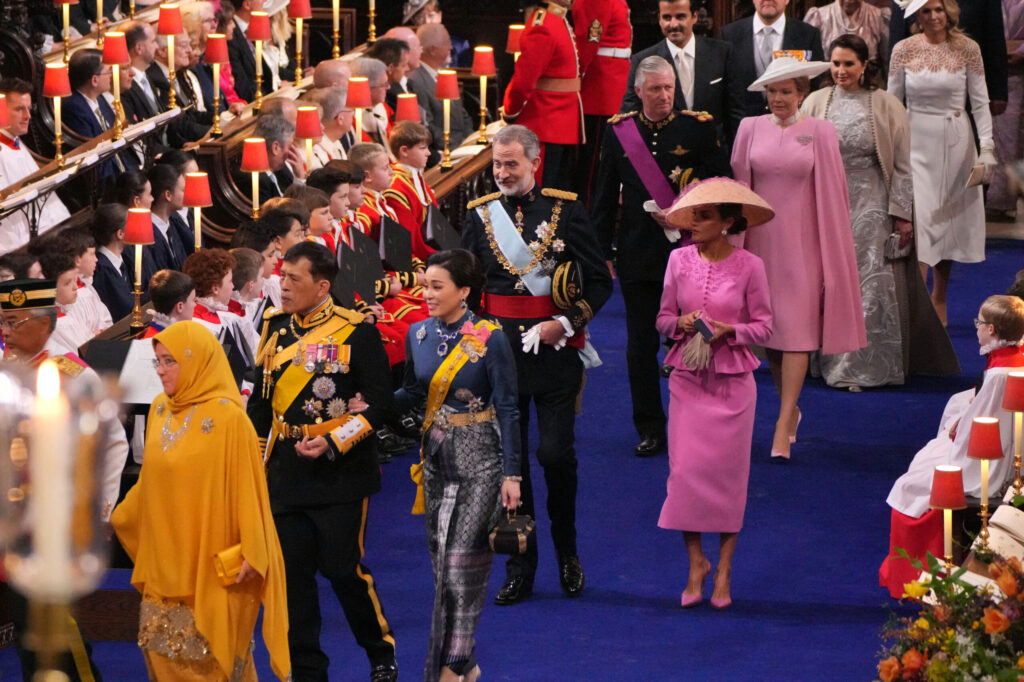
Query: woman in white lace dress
{"points": [[935, 72]]}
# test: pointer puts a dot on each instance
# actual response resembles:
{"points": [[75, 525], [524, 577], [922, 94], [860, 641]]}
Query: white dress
{"points": [[935, 82]]}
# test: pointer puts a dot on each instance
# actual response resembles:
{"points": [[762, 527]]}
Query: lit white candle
{"points": [[373, 5], [483, 92], [117, 84], [947, 533], [198, 221], [447, 115], [51, 493], [357, 120], [336, 8], [138, 266], [56, 115], [984, 481], [216, 86]]}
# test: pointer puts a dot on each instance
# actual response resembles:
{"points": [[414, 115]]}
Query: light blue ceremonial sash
{"points": [[511, 243]]}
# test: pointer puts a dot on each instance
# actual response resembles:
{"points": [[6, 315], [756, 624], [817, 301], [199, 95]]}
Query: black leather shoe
{"points": [[570, 575], [384, 672], [392, 444], [515, 590], [649, 446]]}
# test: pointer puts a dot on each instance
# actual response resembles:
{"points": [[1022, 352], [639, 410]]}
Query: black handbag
{"points": [[512, 533]]}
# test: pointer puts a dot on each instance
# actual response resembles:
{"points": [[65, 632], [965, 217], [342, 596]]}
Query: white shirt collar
{"points": [[430, 72], [161, 224], [242, 24], [689, 49], [779, 26], [93, 104], [115, 259]]}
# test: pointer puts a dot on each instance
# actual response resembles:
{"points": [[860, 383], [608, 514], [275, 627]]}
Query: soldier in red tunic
{"points": [[544, 93]]}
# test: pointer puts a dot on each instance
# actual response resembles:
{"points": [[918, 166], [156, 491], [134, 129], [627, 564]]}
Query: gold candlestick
{"points": [[259, 76], [118, 109], [373, 16], [170, 67], [67, 31], [215, 131], [136, 326], [446, 157], [482, 138], [298, 51], [59, 158], [336, 12], [99, 23], [255, 195], [131, 9]]}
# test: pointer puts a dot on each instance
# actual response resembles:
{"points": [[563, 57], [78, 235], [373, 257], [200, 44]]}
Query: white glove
{"points": [[989, 159], [561, 343], [531, 340]]}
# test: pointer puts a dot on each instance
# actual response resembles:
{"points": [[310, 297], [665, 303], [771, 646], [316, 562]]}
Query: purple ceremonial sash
{"points": [[646, 167]]}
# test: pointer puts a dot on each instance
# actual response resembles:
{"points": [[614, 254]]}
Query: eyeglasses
{"points": [[978, 322], [11, 325], [166, 364]]}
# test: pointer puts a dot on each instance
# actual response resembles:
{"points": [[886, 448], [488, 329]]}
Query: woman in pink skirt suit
{"points": [[793, 162], [723, 289]]}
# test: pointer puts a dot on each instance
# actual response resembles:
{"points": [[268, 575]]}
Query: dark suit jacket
{"points": [[267, 189], [204, 72], [797, 36], [80, 117], [421, 83], [83, 14], [711, 83], [188, 127], [982, 20], [243, 67], [113, 286]]}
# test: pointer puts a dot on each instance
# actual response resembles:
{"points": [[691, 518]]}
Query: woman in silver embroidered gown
{"points": [[470, 450], [875, 145]]}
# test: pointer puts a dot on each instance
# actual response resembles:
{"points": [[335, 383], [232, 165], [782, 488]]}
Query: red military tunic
{"points": [[542, 94], [603, 37], [409, 197]]}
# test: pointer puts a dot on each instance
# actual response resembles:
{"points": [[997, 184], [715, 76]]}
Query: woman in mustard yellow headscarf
{"points": [[198, 523]]}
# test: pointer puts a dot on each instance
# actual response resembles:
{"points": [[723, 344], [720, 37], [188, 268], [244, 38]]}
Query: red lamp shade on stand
{"points": [[308, 128], [115, 55], [56, 85], [984, 444], [358, 99], [408, 108], [4, 118], [258, 31], [947, 495], [299, 10], [254, 160], [216, 54], [483, 67], [1013, 401], [169, 25], [197, 195], [515, 32], [138, 230], [447, 90]]}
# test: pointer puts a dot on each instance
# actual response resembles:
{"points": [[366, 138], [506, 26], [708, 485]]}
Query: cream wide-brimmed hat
{"points": [[718, 191], [784, 68]]}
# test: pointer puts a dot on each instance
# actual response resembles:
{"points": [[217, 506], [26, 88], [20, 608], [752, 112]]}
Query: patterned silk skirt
{"points": [[462, 476]]}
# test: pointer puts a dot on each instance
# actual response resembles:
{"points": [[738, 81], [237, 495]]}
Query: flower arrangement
{"points": [[964, 632]]}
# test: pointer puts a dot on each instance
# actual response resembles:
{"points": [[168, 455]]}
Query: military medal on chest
{"points": [[323, 358]]}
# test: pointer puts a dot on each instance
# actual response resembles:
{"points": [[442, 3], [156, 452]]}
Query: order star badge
{"points": [[558, 245], [312, 407], [674, 175], [207, 425], [336, 408]]}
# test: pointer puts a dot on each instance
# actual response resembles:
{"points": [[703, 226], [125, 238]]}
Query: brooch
{"points": [[323, 388], [207, 425], [547, 266], [421, 333], [805, 139], [312, 407], [336, 408], [674, 175], [558, 246], [160, 410]]}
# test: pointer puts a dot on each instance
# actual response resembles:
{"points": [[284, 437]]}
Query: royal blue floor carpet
{"points": [[805, 582]]}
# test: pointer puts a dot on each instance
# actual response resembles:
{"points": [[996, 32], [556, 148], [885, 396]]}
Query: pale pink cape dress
{"points": [[807, 248], [711, 411]]}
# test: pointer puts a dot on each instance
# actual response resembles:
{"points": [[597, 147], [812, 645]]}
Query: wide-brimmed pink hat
{"points": [[718, 191]]}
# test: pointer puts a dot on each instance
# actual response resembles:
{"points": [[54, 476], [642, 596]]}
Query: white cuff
{"points": [[569, 331]]}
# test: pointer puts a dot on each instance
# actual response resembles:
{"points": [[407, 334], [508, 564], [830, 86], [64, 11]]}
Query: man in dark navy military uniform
{"points": [[525, 237], [679, 147], [321, 462]]}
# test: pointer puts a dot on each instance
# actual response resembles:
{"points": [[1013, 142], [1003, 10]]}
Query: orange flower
{"points": [[941, 613], [995, 570], [1008, 584], [913, 660], [889, 669], [995, 621]]}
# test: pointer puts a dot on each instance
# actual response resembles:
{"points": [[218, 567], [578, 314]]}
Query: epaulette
{"points": [[271, 312], [622, 117], [558, 194], [483, 200], [699, 115], [351, 316], [538, 17], [71, 367]]}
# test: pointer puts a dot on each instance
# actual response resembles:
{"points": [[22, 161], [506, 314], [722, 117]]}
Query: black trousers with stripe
{"points": [[330, 540]]}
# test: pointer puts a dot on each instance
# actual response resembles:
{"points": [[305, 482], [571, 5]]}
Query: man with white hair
{"points": [[436, 46], [336, 121], [376, 124], [527, 238]]}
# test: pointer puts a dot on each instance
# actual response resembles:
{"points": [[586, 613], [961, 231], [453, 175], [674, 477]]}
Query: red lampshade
{"points": [[447, 85], [359, 93], [259, 26], [407, 109], [4, 121], [115, 48], [169, 23], [139, 227], [307, 124], [483, 61], [948, 488], [984, 442], [1013, 396], [55, 81], [515, 31], [216, 49], [254, 155], [299, 9], [65, 2], [197, 190]]}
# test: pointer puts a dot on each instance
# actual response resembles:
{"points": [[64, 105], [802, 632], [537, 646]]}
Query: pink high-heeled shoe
{"points": [[799, 418], [688, 601]]}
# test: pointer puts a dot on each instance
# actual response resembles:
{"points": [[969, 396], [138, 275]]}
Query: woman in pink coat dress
{"points": [[720, 290], [793, 161]]}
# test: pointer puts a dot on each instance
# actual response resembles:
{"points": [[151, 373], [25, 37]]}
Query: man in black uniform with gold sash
{"points": [[526, 238], [321, 462], [649, 155]]}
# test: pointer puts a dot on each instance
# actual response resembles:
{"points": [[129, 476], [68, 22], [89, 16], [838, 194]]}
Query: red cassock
{"points": [[603, 37], [543, 94], [410, 197]]}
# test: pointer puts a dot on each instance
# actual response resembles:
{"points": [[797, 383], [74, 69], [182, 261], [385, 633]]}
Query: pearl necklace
{"points": [[786, 122]]}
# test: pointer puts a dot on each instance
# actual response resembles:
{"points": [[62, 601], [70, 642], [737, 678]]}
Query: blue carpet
{"points": [[807, 601]]}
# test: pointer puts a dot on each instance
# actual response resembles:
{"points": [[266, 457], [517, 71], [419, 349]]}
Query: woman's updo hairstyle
{"points": [[870, 80], [465, 270], [734, 211]]}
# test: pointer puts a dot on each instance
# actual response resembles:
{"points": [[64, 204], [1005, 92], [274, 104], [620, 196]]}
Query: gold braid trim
{"points": [[483, 200], [559, 194]]}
